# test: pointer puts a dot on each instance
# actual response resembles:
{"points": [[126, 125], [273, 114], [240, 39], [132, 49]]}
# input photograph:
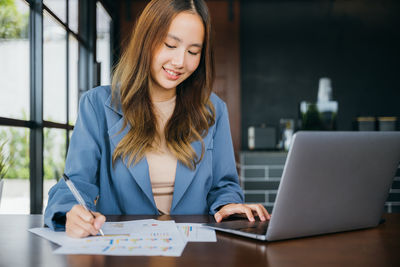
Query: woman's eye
{"points": [[192, 53], [169, 46]]}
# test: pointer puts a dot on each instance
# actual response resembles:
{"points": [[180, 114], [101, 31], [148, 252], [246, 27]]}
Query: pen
{"points": [[78, 196]]}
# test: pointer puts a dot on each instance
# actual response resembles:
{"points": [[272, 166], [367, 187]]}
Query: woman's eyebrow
{"points": [[180, 41]]}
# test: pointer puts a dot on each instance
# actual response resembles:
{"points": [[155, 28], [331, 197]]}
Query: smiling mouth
{"points": [[172, 74]]}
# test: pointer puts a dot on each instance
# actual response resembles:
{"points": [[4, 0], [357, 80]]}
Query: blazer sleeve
{"points": [[82, 165], [225, 187]]}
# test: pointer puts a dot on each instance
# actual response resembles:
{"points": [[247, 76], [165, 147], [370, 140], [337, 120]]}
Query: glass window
{"points": [[54, 145], [14, 63], [15, 194], [73, 79], [54, 70], [58, 7], [60, 69], [103, 50], [73, 15]]}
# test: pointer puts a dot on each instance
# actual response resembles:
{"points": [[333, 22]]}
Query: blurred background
{"points": [[282, 66]]}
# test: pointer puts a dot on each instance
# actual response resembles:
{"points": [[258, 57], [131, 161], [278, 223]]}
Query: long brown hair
{"points": [[193, 114]]}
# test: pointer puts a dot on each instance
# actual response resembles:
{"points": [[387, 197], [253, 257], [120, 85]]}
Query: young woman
{"points": [[158, 141]]}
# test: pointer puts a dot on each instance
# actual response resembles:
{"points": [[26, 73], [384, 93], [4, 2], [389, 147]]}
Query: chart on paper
{"points": [[126, 245], [145, 238], [195, 232]]}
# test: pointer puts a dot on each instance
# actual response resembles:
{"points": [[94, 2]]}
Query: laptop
{"points": [[331, 182]]}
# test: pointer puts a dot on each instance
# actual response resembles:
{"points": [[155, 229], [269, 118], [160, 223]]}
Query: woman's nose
{"points": [[178, 58]]}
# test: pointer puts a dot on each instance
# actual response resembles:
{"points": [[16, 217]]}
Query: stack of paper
{"points": [[140, 237]]}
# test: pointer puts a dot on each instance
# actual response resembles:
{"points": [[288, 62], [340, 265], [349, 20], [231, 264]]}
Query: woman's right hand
{"points": [[80, 222]]}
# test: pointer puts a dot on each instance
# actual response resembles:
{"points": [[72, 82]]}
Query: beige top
{"points": [[162, 164]]}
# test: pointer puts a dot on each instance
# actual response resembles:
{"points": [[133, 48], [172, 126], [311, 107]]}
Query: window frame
{"points": [[86, 38]]}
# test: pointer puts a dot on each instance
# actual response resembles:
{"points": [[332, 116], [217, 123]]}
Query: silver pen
{"points": [[78, 196]]}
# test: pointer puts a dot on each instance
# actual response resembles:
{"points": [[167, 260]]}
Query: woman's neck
{"points": [[158, 94]]}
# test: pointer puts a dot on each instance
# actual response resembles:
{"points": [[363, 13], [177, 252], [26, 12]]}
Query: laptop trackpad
{"points": [[257, 227]]}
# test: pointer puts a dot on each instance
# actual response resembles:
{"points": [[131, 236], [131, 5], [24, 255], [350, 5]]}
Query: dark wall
{"points": [[286, 46]]}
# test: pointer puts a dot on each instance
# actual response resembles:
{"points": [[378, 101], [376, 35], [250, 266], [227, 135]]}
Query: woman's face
{"points": [[178, 56]]}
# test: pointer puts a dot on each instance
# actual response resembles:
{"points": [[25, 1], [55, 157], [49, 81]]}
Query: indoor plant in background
{"points": [[3, 166]]}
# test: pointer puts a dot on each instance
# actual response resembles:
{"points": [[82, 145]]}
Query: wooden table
{"points": [[379, 246]]}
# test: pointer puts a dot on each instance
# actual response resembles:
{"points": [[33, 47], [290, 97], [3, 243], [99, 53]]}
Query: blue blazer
{"points": [[126, 189]]}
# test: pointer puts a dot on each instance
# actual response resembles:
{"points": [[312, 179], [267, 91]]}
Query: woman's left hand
{"points": [[247, 209]]}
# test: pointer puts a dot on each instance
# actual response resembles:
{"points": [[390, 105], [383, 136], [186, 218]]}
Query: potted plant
{"points": [[3, 167]]}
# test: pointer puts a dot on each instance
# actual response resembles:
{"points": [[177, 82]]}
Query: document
{"points": [[59, 238], [195, 232], [148, 238], [128, 227], [109, 228], [140, 237]]}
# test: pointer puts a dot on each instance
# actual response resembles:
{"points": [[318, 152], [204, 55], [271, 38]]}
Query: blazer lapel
{"points": [[139, 171], [184, 176]]}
